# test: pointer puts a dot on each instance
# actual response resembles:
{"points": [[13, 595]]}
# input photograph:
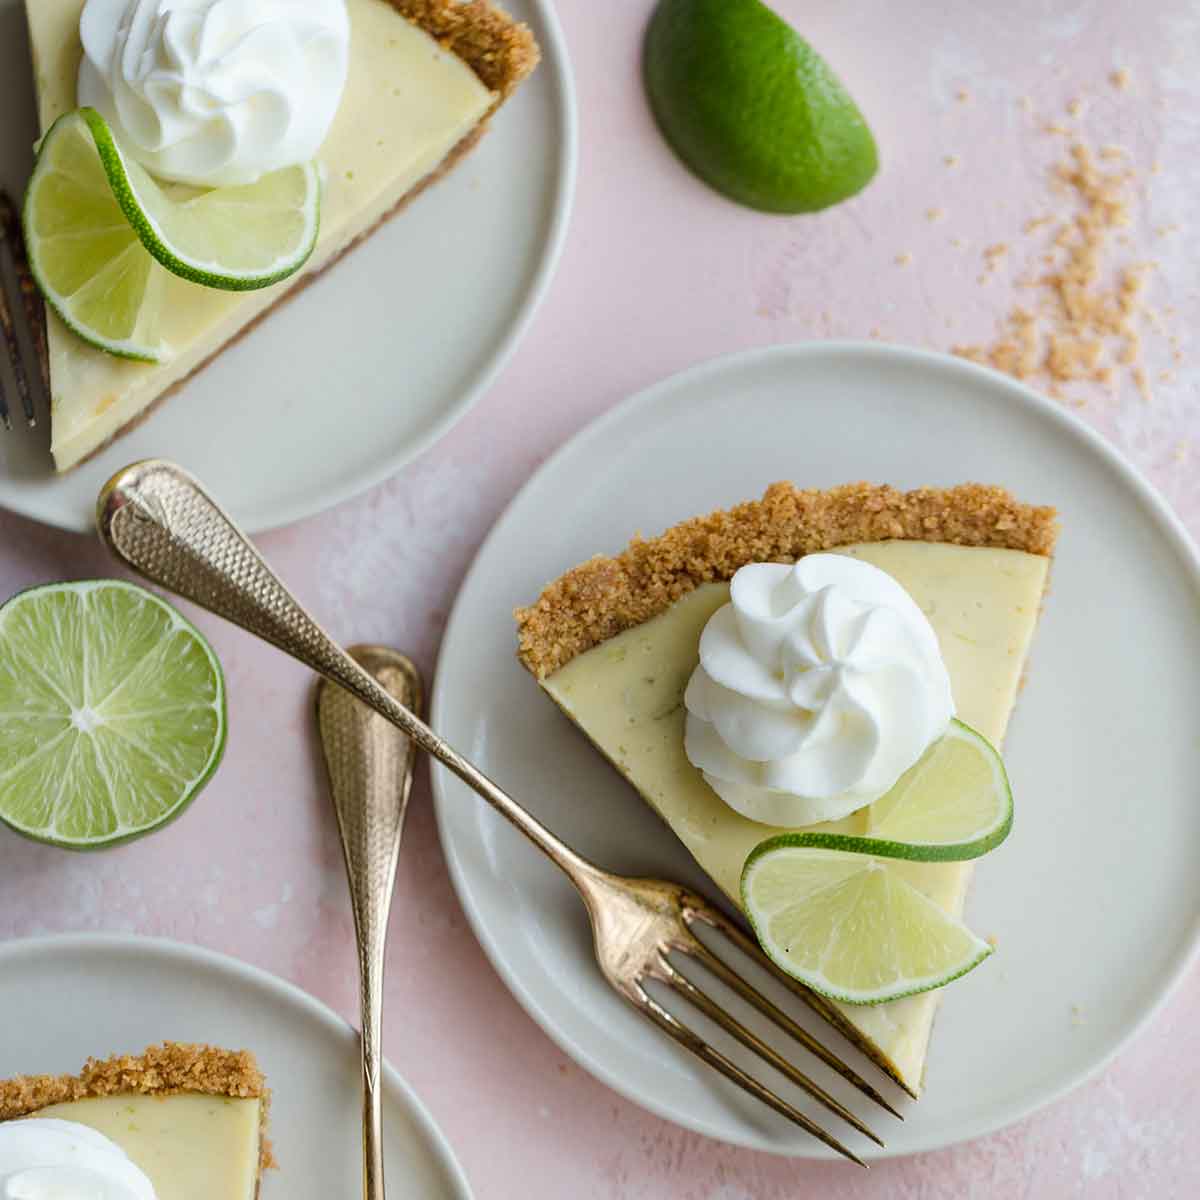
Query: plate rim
{"points": [[258, 977], [266, 518], [1031, 401]]}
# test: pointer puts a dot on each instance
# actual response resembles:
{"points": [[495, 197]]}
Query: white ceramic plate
{"points": [[377, 359], [1094, 898], [66, 999]]}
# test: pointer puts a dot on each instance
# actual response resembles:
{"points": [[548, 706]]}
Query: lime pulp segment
{"points": [[112, 713]]}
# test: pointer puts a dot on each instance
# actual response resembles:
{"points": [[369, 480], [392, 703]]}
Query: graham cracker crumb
{"points": [[1121, 79], [164, 1070], [903, 259], [935, 214], [951, 160], [606, 595], [962, 95], [1074, 107]]}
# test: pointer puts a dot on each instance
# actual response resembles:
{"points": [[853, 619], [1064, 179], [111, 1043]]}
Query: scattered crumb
{"points": [[935, 214], [1182, 451], [951, 160], [1156, 167], [962, 95], [1074, 107], [1166, 230], [1166, 377], [1035, 223], [1056, 127], [1077, 1017], [994, 255], [1025, 104], [1121, 79], [903, 259], [958, 243], [1111, 151], [1142, 384]]}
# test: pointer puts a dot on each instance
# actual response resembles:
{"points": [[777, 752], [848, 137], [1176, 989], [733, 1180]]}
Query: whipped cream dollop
{"points": [[819, 685], [47, 1159], [215, 92]]}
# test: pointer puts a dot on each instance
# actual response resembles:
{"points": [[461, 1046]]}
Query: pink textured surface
{"points": [[659, 273]]}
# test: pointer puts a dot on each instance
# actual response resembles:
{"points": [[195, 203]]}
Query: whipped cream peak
{"points": [[48, 1159], [819, 685], [215, 93]]}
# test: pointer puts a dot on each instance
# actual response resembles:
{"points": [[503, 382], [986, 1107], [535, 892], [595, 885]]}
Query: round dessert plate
{"points": [[366, 368], [66, 999], [1093, 900]]}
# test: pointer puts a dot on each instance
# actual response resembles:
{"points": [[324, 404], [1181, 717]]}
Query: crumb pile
{"points": [[1085, 315]]}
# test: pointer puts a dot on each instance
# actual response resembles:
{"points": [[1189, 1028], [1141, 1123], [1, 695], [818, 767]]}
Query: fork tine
{"points": [[754, 997], [31, 302], [709, 1007], [712, 916], [692, 1041]]}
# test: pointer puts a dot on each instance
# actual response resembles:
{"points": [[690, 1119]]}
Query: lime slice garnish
{"points": [[954, 804], [752, 108], [849, 927], [84, 255], [233, 238], [112, 713]]}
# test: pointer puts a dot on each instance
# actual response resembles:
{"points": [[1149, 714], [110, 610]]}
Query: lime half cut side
{"points": [[112, 713], [231, 238], [85, 256], [851, 928], [954, 804]]}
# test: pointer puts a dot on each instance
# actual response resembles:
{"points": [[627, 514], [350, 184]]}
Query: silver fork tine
{"points": [[13, 240], [676, 979], [823, 1008], [692, 1041], [714, 963]]}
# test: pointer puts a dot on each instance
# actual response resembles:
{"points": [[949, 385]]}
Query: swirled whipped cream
{"points": [[819, 685], [46, 1159], [215, 92]]}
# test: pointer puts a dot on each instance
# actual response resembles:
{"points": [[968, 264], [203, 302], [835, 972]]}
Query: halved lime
{"points": [[953, 804], [849, 927], [233, 238], [752, 108], [112, 713], [85, 256]]}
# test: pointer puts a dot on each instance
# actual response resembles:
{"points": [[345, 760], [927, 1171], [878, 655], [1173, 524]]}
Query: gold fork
{"points": [[34, 314], [158, 520]]}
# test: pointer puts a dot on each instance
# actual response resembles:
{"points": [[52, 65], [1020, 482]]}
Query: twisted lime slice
{"points": [[85, 256], [112, 713], [954, 804], [851, 928], [233, 238]]}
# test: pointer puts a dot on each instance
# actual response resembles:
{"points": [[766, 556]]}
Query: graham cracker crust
{"points": [[502, 53], [169, 1069], [606, 595]]}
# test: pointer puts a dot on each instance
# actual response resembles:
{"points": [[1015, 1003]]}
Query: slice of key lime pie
{"points": [[805, 698], [385, 95], [174, 1123]]}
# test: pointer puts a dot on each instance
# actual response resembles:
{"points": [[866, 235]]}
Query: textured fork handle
{"points": [[159, 521], [370, 776]]}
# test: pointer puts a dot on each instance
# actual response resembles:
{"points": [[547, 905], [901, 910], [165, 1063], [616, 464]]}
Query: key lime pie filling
{"points": [[176, 1122], [387, 95], [776, 666]]}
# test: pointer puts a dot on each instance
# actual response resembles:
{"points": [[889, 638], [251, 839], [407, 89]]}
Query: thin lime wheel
{"points": [[112, 713], [231, 238], [85, 256], [849, 927], [954, 804]]}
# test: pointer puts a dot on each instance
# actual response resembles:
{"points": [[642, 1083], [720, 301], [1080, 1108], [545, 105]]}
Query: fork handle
{"points": [[159, 521]]}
